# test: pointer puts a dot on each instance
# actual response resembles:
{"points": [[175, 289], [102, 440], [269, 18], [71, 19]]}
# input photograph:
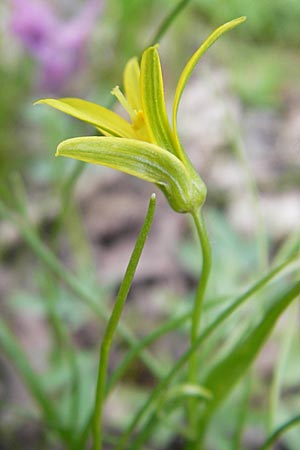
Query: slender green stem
{"points": [[113, 323], [134, 352], [32, 238], [279, 431], [130, 356], [290, 294], [225, 375], [206, 267], [165, 382], [169, 20], [146, 341], [200, 293]]}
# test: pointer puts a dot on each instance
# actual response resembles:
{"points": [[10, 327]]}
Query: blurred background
{"points": [[239, 121]]}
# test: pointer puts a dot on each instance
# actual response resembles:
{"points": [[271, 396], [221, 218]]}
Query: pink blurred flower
{"points": [[57, 45]]}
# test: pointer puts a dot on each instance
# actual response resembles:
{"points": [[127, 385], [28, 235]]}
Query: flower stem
{"points": [[196, 315], [113, 323], [49, 259], [163, 384]]}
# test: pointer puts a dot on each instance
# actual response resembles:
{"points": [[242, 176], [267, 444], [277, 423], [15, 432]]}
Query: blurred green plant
{"points": [[15, 83], [273, 28], [149, 149], [274, 21], [184, 402], [126, 148]]}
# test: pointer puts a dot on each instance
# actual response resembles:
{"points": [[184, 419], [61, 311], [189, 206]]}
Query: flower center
{"points": [[137, 117]]}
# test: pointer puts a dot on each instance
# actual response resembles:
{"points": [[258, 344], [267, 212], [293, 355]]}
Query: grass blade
{"points": [[226, 374]]}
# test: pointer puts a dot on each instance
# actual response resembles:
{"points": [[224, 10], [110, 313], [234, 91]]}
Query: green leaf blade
{"points": [[224, 376], [140, 159]]}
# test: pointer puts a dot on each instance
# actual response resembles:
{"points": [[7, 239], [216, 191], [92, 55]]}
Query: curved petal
{"points": [[102, 118], [153, 100], [186, 73], [141, 159], [132, 83]]}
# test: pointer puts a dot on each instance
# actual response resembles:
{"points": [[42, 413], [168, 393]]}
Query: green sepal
{"points": [[187, 71], [184, 190], [153, 100]]}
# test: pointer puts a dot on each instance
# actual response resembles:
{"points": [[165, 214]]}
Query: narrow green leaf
{"points": [[132, 83], [114, 321], [108, 122], [187, 71], [80, 290], [141, 159], [185, 358], [153, 100], [169, 19], [225, 375], [294, 421]]}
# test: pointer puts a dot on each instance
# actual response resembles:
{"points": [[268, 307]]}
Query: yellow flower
{"points": [[146, 145]]}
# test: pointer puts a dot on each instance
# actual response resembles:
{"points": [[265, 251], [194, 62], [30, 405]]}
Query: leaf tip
{"points": [[59, 151], [152, 48], [43, 101], [38, 102], [241, 19]]}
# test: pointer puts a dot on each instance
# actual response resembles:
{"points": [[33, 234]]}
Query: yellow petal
{"points": [[186, 73], [153, 101], [132, 83], [102, 118]]}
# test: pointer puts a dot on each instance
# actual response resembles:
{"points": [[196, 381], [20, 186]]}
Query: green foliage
{"points": [[14, 84], [271, 36], [274, 21], [203, 397], [225, 374], [262, 86]]}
